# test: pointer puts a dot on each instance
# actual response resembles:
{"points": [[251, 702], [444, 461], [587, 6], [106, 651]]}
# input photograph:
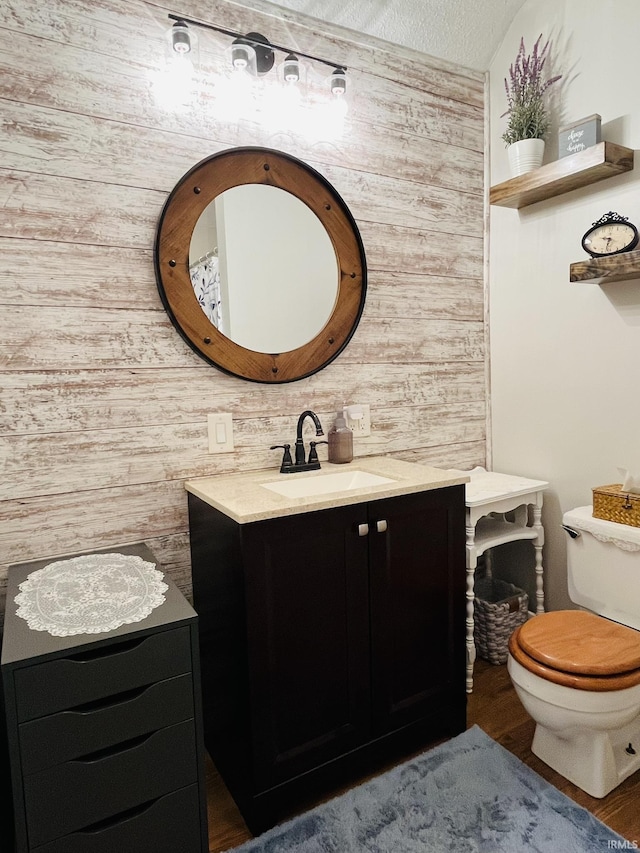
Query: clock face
{"points": [[610, 238]]}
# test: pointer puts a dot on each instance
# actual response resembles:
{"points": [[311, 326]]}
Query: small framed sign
{"points": [[579, 135]]}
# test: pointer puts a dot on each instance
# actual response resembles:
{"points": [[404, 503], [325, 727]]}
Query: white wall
{"points": [[566, 357]]}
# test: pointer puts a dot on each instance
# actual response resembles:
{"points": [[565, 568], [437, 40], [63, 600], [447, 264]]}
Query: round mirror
{"points": [[260, 265]]}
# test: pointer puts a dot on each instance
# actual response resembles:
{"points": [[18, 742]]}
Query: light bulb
{"points": [[180, 38], [291, 68], [243, 59], [338, 82], [240, 55]]}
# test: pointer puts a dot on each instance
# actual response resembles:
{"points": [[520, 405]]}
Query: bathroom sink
{"points": [[322, 484]]}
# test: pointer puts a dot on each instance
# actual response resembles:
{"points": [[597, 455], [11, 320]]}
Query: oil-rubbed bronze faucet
{"points": [[313, 463], [299, 442]]}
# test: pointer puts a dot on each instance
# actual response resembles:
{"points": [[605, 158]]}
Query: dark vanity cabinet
{"points": [[331, 641], [105, 732]]}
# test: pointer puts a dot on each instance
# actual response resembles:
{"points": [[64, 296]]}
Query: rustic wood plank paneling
{"points": [[397, 294], [463, 457], [390, 247], [42, 207], [52, 402], [378, 198], [50, 141], [95, 338], [89, 338], [58, 463], [104, 406], [46, 273], [426, 115], [172, 554], [405, 339], [81, 521]]}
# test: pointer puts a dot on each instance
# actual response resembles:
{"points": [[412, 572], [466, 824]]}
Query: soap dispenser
{"points": [[340, 441]]}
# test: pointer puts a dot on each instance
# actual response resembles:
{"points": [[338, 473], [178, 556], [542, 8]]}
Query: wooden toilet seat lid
{"points": [[578, 649], [580, 642]]}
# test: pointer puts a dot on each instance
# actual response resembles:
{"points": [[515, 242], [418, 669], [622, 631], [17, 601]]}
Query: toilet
{"points": [[577, 672]]}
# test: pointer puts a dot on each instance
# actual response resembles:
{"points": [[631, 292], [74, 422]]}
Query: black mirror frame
{"points": [[195, 190]]}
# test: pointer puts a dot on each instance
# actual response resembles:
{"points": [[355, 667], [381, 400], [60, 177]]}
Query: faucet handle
{"points": [[313, 455], [286, 456]]}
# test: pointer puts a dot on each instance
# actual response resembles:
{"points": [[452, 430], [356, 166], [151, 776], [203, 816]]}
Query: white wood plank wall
{"points": [[103, 405]]}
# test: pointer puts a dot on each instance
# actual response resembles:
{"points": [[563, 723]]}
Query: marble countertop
{"points": [[242, 497]]}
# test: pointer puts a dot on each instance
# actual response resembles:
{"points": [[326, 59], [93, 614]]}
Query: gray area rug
{"points": [[468, 794]]}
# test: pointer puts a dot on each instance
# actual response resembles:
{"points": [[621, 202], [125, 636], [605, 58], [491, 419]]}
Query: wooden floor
{"points": [[495, 707]]}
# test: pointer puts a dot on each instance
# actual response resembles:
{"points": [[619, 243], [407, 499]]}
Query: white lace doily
{"points": [[623, 536], [90, 594]]}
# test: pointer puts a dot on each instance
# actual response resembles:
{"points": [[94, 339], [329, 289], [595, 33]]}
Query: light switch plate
{"points": [[220, 430]]}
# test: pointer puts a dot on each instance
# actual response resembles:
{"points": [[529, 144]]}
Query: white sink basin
{"points": [[321, 484]]}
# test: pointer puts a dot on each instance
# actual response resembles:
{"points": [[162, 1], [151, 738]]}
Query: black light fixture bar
{"points": [[194, 22]]}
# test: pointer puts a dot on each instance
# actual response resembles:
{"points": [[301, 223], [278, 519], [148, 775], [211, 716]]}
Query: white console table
{"points": [[489, 496]]}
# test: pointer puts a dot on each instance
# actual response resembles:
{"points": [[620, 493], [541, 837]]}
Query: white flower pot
{"points": [[525, 156]]}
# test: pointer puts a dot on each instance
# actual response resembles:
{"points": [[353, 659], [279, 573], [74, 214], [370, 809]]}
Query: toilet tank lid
{"points": [[622, 535]]}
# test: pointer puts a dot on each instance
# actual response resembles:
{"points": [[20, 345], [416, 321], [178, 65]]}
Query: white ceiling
{"points": [[466, 32]]}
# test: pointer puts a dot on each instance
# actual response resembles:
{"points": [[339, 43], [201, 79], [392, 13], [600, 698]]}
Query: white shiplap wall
{"points": [[103, 405]]}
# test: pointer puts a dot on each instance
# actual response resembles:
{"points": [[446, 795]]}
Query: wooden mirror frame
{"points": [[203, 183]]}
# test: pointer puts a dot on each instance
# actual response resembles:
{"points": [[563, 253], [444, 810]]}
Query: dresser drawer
{"points": [[170, 824], [71, 796], [103, 671], [71, 734]]}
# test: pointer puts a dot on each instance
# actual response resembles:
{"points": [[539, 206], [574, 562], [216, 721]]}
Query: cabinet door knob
{"points": [[381, 525], [363, 530]]}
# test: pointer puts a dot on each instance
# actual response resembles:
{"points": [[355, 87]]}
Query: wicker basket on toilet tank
{"points": [[499, 608], [612, 504]]}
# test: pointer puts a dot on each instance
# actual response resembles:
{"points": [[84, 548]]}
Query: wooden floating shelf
{"points": [[603, 270], [596, 163]]}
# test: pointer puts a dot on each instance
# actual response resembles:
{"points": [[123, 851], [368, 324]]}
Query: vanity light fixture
{"points": [[253, 53]]}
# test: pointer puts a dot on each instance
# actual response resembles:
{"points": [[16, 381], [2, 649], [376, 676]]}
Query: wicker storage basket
{"points": [[500, 607], [612, 504]]}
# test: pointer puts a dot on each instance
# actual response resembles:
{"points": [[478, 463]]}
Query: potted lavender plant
{"points": [[528, 117]]}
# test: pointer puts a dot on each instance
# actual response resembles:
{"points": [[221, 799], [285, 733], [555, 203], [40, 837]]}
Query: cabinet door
{"points": [[417, 579], [307, 602]]}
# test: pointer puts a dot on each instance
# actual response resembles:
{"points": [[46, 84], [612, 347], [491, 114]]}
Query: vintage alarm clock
{"points": [[610, 235]]}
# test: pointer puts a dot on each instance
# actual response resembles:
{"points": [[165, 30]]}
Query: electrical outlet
{"points": [[220, 430], [358, 418]]}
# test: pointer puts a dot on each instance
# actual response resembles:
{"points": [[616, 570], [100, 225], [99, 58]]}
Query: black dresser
{"points": [[104, 731]]}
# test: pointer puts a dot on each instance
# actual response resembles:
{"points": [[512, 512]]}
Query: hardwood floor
{"points": [[495, 707]]}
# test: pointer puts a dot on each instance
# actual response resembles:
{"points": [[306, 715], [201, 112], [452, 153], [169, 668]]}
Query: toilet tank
{"points": [[603, 566]]}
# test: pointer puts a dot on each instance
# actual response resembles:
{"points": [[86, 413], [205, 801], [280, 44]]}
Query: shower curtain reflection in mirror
{"points": [[205, 278]]}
